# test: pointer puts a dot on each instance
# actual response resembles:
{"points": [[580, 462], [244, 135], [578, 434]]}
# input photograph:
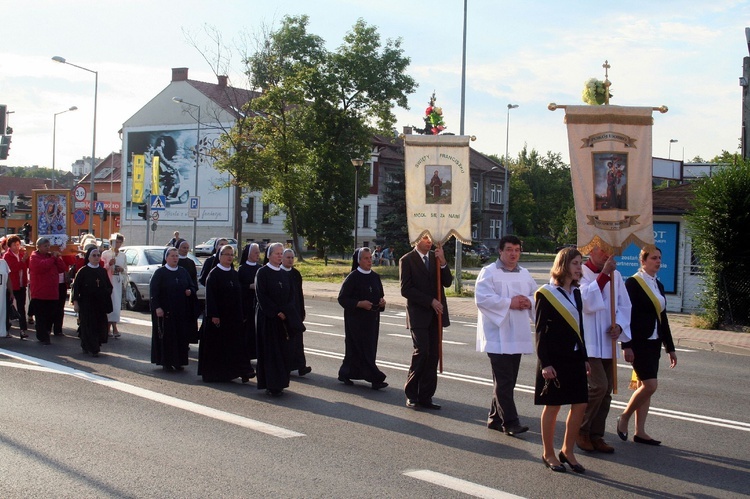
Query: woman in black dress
{"points": [[194, 309], [222, 353], [362, 298], [246, 274], [650, 330], [276, 319], [562, 367], [171, 290], [211, 261], [297, 360], [91, 297]]}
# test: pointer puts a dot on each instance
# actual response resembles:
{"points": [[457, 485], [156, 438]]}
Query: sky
{"points": [[684, 54]]}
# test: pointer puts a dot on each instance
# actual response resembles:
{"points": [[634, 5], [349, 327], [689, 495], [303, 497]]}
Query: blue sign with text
{"points": [[665, 238]]}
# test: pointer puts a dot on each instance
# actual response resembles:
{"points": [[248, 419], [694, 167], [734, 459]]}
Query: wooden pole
{"points": [[440, 316], [612, 315]]}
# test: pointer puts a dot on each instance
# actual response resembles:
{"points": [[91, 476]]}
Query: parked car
{"points": [[480, 250], [142, 263], [205, 248]]}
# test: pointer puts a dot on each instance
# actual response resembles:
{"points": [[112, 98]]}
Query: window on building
{"points": [[366, 216], [500, 193], [497, 230], [492, 229], [250, 210], [493, 193], [475, 193], [475, 231], [266, 213]]}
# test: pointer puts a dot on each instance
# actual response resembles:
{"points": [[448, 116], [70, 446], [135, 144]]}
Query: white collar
{"points": [[225, 269], [182, 257], [252, 264], [360, 269], [171, 268], [287, 269], [92, 266], [272, 266]]}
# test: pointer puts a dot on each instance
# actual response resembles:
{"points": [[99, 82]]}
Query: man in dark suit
{"points": [[419, 270]]}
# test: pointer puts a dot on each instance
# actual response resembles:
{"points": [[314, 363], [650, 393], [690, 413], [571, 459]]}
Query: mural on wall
{"points": [[173, 152]]}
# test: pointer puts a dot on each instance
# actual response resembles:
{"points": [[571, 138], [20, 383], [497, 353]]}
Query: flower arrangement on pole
{"points": [[433, 118], [594, 92]]}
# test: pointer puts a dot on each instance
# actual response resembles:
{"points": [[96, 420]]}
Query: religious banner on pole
{"points": [[438, 187], [611, 172], [155, 190]]}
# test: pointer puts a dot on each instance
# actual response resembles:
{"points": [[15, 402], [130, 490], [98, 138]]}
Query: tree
{"points": [[393, 226], [317, 111], [718, 226]]}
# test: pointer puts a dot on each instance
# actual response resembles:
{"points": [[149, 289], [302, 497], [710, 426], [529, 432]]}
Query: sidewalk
{"points": [[685, 336]]}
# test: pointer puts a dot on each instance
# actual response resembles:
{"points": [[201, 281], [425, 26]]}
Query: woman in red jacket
{"points": [[45, 267]]}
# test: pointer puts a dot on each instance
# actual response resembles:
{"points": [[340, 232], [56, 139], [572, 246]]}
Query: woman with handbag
{"points": [[562, 367]]}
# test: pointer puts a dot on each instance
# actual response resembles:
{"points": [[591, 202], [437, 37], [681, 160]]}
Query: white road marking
{"points": [[334, 317], [448, 342], [227, 417], [317, 324], [325, 333], [476, 380], [459, 485]]}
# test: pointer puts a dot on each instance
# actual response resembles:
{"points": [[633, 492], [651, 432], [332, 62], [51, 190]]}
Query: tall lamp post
{"points": [[505, 176], [62, 60], [357, 163], [671, 141], [197, 158], [54, 133]]}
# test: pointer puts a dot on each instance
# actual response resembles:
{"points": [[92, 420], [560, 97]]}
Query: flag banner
{"points": [[610, 168], [155, 176], [438, 187], [139, 172]]}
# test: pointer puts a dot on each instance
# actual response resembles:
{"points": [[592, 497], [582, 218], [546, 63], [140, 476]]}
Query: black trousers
{"points": [[421, 381], [504, 376], [20, 295], [44, 313]]}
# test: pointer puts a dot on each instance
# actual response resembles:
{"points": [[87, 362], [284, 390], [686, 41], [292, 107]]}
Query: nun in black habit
{"points": [[171, 291], [211, 261], [194, 309], [222, 353], [246, 274], [362, 298], [91, 297], [276, 319], [297, 361]]}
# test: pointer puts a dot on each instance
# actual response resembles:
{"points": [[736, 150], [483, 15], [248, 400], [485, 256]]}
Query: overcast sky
{"points": [[685, 54]]}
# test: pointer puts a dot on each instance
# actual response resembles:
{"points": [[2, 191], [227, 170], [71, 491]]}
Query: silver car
{"points": [[206, 248], [142, 263]]}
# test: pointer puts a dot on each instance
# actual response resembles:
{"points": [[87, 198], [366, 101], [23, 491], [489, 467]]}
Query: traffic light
{"points": [[3, 212], [104, 215], [3, 116], [4, 146], [143, 211]]}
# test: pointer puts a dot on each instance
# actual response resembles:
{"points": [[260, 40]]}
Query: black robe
{"points": [[211, 262], [194, 309], [92, 290], [361, 327], [246, 275], [167, 291], [273, 291], [297, 358], [222, 353]]}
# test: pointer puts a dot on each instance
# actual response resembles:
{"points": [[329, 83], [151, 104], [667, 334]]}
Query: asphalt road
{"points": [[117, 426]]}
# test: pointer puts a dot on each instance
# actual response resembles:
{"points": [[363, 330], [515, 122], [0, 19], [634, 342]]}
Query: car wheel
{"points": [[138, 300]]}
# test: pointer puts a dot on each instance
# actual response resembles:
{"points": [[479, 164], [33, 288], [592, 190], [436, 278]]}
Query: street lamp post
{"points": [[357, 163], [505, 176], [197, 159], [671, 141], [54, 133], [62, 60]]}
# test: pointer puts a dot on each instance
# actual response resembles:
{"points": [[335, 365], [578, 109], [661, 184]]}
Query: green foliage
{"points": [[718, 226], [392, 226], [318, 109], [541, 196]]}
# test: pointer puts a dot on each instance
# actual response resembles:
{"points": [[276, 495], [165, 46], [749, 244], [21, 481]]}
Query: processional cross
{"points": [[607, 83]]}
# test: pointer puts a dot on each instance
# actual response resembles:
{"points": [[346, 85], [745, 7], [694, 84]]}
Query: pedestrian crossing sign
{"points": [[158, 203]]}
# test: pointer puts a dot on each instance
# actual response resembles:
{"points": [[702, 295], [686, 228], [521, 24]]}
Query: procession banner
{"points": [[438, 187], [139, 172], [155, 190], [610, 168]]}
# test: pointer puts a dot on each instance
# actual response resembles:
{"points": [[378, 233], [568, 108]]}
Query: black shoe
{"points": [[557, 468], [274, 393], [430, 405], [304, 370], [45, 342], [516, 429], [647, 441], [346, 381], [378, 385], [623, 435], [59, 334], [179, 368], [494, 425], [411, 404], [575, 467], [23, 335]]}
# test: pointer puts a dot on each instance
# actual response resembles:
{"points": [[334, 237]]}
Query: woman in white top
{"points": [[114, 261]]}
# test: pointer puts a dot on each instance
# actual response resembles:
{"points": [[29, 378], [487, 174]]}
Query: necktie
{"points": [[426, 262]]}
